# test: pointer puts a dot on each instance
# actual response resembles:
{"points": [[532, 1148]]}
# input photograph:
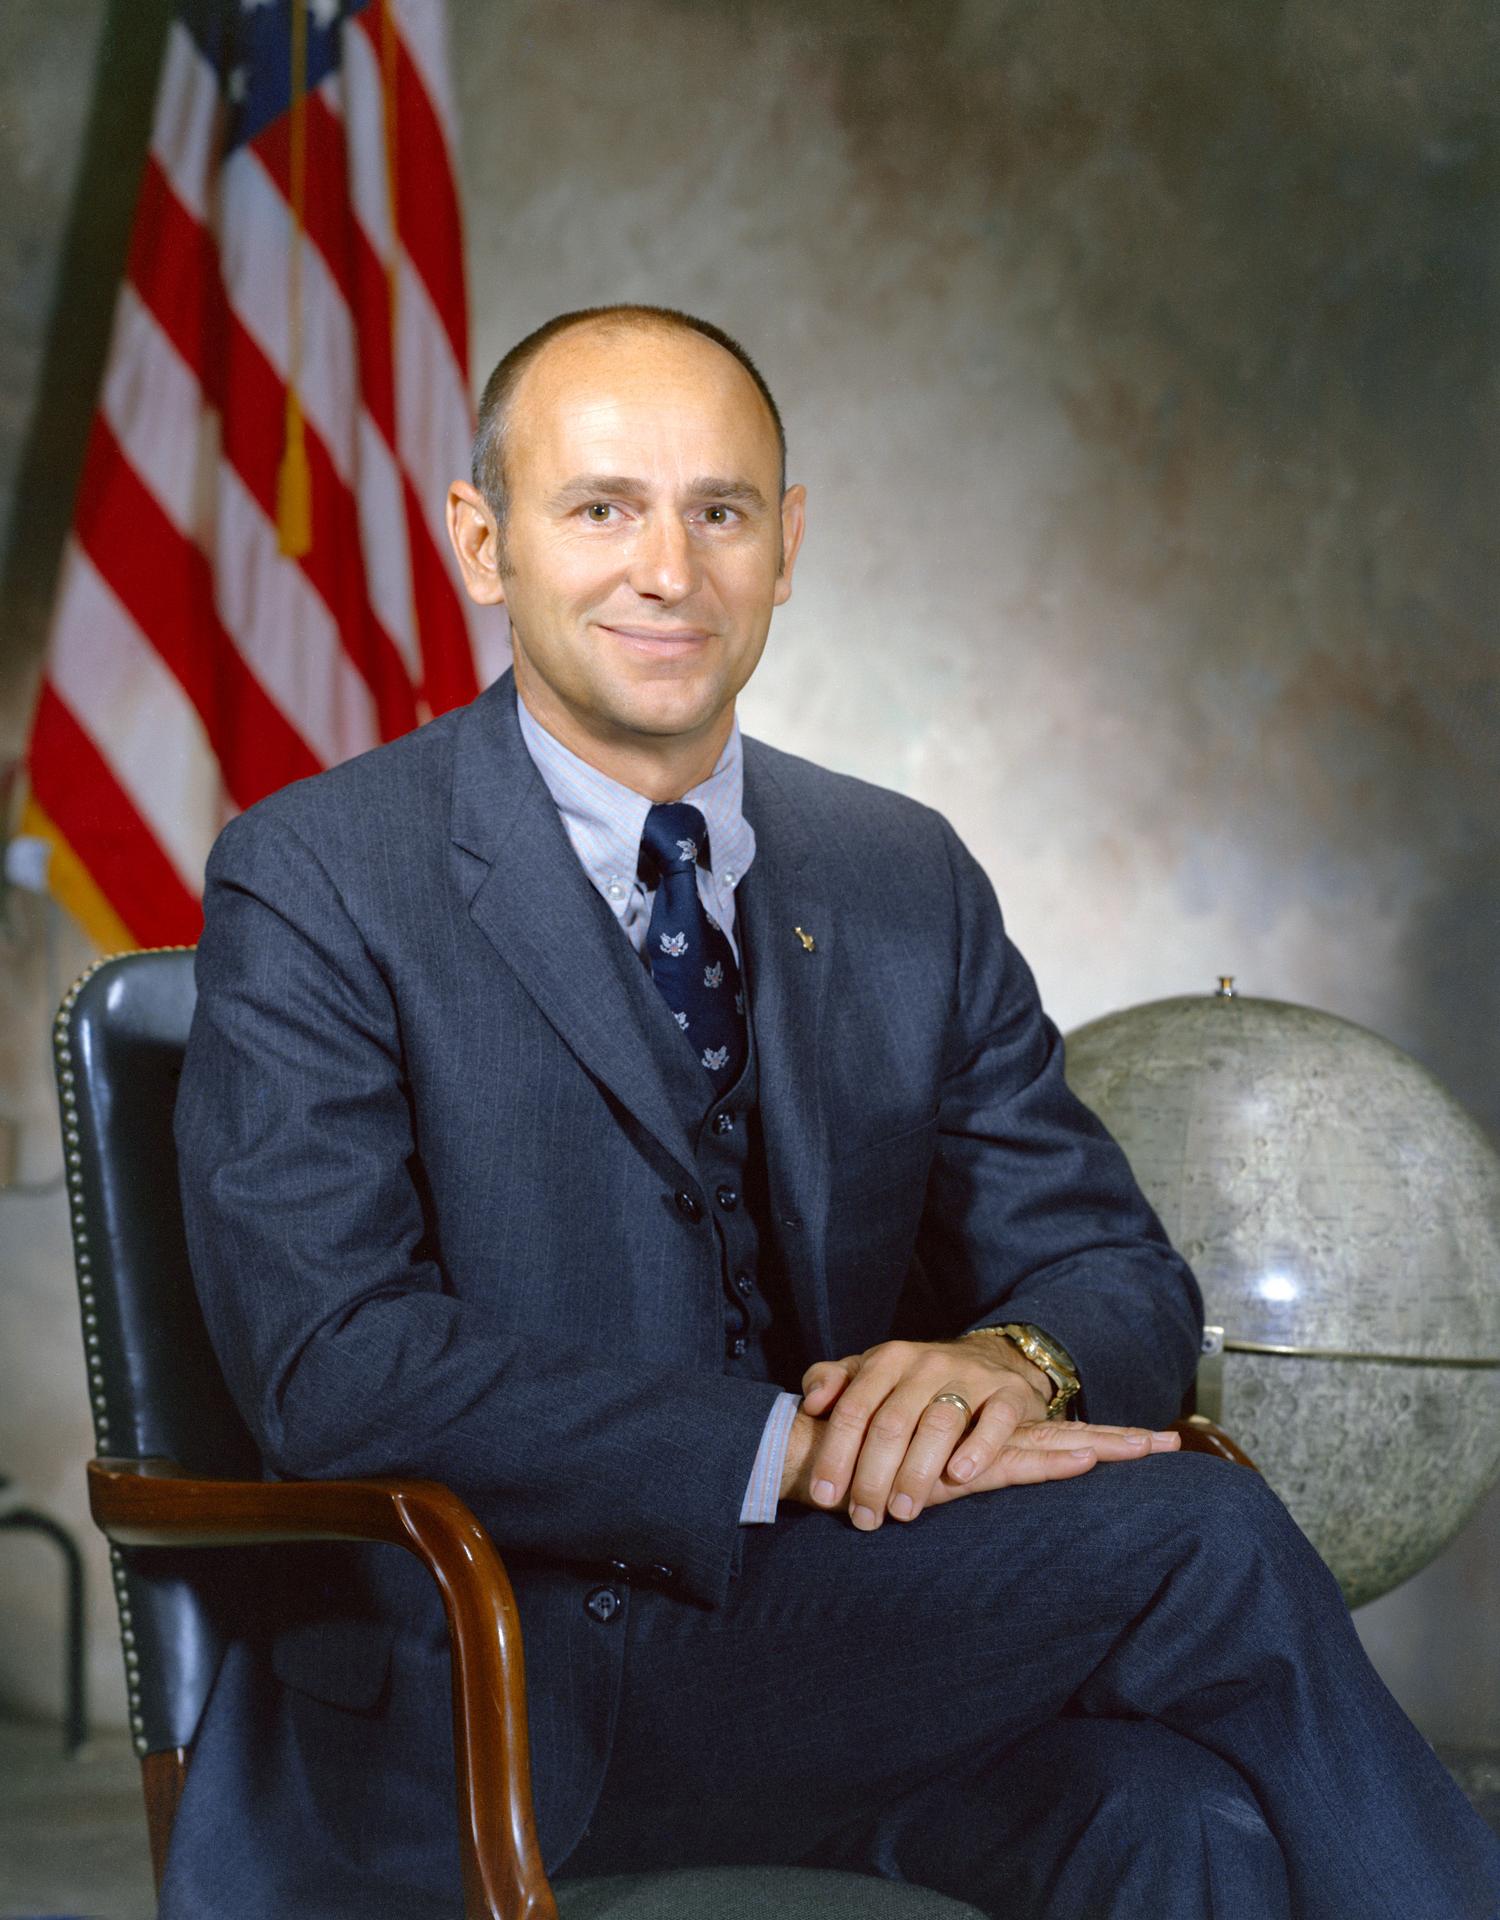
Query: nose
{"points": [[663, 565]]}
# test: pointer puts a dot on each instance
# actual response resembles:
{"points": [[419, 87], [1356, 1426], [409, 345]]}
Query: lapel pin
{"points": [[806, 938]]}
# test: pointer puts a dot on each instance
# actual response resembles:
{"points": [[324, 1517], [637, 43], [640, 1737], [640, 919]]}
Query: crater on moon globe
{"points": [[1330, 1195]]}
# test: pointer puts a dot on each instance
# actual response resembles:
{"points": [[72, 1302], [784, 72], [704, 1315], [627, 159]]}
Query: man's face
{"points": [[646, 542]]}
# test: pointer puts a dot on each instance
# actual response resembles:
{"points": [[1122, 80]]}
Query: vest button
{"points": [[744, 1284], [603, 1603], [723, 1123], [739, 1346], [687, 1206], [728, 1198]]}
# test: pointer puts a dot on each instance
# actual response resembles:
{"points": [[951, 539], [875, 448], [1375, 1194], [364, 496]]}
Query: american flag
{"points": [[258, 583]]}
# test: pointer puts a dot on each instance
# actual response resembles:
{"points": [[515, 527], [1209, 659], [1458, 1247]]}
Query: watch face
{"points": [[1054, 1349]]}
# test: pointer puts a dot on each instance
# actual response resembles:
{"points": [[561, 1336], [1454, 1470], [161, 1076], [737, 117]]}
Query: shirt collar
{"points": [[604, 820]]}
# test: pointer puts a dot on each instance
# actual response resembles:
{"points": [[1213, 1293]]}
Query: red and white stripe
{"points": [[193, 666]]}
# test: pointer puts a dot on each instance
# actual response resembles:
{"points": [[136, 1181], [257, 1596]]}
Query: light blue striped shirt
{"points": [[604, 822]]}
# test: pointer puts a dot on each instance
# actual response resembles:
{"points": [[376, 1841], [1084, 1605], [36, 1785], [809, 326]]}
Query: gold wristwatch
{"points": [[1048, 1355]]}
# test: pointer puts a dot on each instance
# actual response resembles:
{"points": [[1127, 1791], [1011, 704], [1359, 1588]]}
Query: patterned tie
{"points": [[691, 960]]}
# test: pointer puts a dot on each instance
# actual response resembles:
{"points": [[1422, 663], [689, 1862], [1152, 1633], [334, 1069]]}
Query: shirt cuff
{"points": [[758, 1509]]}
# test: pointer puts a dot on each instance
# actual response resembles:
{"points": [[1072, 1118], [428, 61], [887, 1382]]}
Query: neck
{"points": [[661, 768]]}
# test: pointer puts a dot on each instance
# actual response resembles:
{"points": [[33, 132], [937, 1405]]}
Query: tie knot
{"points": [[674, 839]]}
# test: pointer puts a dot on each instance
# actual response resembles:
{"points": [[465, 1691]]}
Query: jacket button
{"points": [[723, 1123], [603, 1603], [739, 1346], [687, 1206], [728, 1198], [744, 1284]]}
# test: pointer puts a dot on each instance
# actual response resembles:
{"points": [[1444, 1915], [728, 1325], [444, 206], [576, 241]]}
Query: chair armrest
{"points": [[155, 1503], [1200, 1435]]}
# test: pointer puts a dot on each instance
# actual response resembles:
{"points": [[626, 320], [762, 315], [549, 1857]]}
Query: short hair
{"points": [[488, 460]]}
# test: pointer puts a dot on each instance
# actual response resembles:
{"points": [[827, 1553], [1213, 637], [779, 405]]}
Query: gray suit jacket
{"points": [[431, 1173]]}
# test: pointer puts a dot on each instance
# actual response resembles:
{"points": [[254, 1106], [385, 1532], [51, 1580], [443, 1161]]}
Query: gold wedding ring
{"points": [[952, 1400]]}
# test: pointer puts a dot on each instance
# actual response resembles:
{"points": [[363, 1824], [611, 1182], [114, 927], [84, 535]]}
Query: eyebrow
{"points": [[594, 486]]}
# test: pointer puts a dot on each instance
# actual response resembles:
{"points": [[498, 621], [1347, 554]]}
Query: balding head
{"points": [[502, 391]]}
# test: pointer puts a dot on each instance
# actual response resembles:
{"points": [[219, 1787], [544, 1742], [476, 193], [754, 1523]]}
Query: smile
{"points": [[661, 643]]}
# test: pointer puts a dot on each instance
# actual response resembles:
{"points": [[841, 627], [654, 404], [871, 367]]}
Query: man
{"points": [[650, 1134]]}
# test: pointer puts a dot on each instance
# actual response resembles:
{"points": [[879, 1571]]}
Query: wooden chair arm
{"points": [[1200, 1435], [155, 1503]]}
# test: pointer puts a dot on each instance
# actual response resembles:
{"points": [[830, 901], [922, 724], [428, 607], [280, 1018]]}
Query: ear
{"points": [[476, 541], [793, 526]]}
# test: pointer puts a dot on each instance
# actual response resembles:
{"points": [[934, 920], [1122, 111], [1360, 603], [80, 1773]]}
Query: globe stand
{"points": [[1208, 1388]]}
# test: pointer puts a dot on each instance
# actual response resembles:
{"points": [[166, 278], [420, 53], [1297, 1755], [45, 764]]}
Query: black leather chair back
{"points": [[154, 1382]]}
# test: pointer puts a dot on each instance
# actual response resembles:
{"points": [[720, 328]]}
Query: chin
{"points": [[669, 709]]}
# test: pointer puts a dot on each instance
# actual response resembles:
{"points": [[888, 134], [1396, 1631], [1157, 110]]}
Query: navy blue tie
{"points": [[691, 959]]}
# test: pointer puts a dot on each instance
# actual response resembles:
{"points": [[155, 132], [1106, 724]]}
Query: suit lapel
{"points": [[789, 984], [537, 908]]}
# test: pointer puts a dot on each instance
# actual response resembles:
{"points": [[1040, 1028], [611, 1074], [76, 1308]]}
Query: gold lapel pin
{"points": [[806, 938]]}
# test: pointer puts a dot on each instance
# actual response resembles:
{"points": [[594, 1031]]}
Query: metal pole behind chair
{"points": [[75, 1725]]}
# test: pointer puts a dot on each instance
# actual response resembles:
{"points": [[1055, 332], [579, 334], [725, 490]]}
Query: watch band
{"points": [[1046, 1355]]}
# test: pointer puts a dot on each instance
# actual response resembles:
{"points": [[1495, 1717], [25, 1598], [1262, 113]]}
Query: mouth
{"points": [[660, 643]]}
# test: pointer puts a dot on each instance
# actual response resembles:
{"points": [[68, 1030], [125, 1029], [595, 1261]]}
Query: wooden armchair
{"points": [[177, 1478]]}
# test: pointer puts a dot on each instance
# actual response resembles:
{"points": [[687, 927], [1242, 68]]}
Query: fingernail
{"points": [[1083, 1453], [962, 1469], [823, 1491], [1137, 1439], [863, 1518], [901, 1506]]}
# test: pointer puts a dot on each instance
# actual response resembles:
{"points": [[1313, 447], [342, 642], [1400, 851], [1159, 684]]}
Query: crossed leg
{"points": [[1148, 1666], [1084, 1819]]}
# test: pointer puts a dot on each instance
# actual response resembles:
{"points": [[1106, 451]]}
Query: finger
{"points": [[831, 1465], [1028, 1466], [885, 1445], [1088, 1427], [998, 1419], [823, 1382], [939, 1429], [1110, 1443], [1161, 1439]]}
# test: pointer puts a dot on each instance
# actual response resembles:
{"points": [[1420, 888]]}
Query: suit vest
{"points": [[760, 1325]]}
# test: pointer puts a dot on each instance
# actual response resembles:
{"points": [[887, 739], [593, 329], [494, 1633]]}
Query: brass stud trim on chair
{"points": [[67, 1087], [67, 1093]]}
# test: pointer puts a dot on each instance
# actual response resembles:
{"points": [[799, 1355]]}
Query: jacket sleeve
{"points": [[341, 1339], [1032, 1211]]}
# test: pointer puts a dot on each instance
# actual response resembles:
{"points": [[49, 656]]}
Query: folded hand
{"points": [[873, 1436]]}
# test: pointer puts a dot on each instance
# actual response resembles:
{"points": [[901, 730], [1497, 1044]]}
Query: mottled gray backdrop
{"points": [[1140, 362]]}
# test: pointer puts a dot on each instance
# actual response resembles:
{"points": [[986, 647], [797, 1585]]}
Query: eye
{"points": [[599, 511], [718, 516]]}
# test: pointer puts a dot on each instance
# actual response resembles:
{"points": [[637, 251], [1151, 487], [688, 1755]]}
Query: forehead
{"points": [[612, 399]]}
